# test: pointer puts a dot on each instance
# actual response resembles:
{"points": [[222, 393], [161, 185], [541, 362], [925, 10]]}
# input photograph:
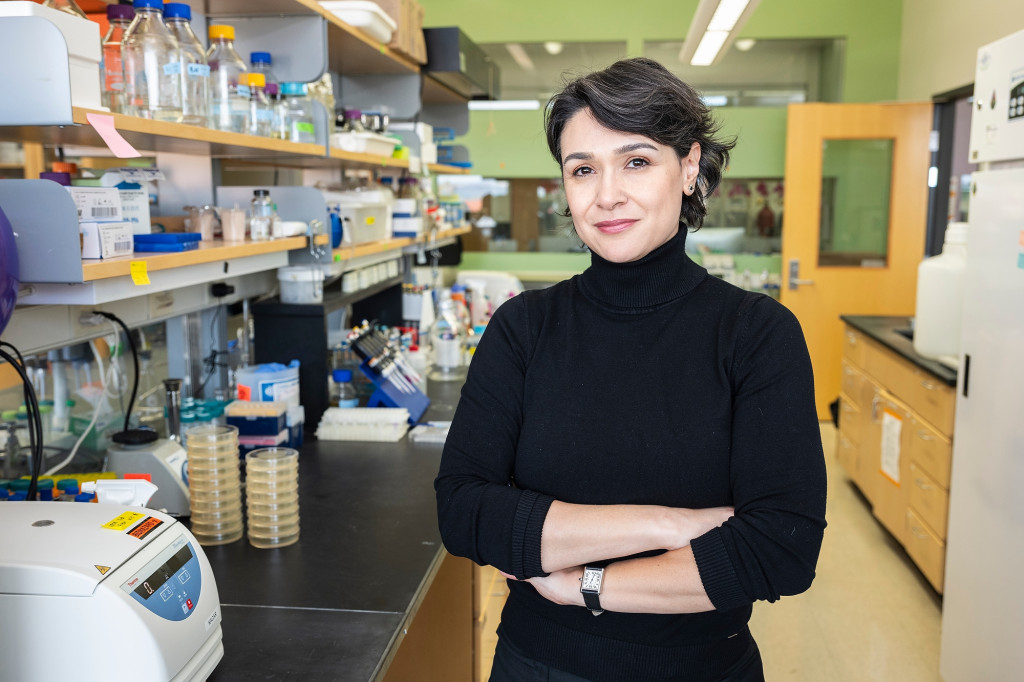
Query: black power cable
{"points": [[135, 359], [35, 424]]}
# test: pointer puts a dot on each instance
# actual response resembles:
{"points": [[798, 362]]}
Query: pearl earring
{"points": [[691, 188]]}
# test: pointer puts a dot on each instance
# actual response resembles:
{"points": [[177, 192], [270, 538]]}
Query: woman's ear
{"points": [[691, 168]]}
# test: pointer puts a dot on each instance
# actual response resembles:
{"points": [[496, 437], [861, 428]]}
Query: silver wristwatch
{"points": [[590, 587]]}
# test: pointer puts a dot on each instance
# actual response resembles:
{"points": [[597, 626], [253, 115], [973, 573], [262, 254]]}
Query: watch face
{"points": [[592, 580]]}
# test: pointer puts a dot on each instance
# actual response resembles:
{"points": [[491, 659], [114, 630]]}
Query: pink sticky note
{"points": [[104, 125]]}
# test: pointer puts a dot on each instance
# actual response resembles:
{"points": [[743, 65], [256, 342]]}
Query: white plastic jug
{"points": [[940, 298]]}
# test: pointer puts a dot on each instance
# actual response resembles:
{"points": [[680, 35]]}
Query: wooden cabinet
{"points": [[895, 442], [490, 593]]}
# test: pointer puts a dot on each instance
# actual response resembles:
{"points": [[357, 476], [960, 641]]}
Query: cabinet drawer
{"points": [[931, 451], [933, 400], [929, 500], [851, 421], [853, 346], [846, 454], [892, 468], [856, 386], [926, 549]]}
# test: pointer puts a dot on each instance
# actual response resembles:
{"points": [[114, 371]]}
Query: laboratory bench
{"points": [[895, 436], [368, 591]]}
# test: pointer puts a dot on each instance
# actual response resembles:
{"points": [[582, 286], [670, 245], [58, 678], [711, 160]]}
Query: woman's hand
{"points": [[692, 523], [561, 587]]}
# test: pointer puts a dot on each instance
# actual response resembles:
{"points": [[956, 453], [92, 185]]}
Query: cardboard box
{"points": [[408, 39], [106, 240], [97, 204]]}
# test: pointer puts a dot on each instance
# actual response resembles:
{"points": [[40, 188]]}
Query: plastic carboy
{"points": [[229, 109], [298, 113], [112, 68], [196, 95], [940, 297], [152, 65], [447, 337], [261, 115]]}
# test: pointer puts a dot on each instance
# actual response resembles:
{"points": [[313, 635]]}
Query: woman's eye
{"points": [[637, 163], [582, 170]]}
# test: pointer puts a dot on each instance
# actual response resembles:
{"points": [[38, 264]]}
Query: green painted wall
{"points": [[511, 144]]}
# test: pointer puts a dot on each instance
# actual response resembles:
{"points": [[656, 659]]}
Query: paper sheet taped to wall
{"points": [[892, 426]]}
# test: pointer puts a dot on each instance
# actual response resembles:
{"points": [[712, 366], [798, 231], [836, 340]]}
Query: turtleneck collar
{"points": [[666, 273]]}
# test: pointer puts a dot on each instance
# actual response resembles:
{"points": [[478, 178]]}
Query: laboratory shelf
{"points": [[373, 248], [350, 50], [436, 92], [208, 252]]}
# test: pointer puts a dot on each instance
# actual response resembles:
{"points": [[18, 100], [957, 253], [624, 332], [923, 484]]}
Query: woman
{"points": [[638, 443]]}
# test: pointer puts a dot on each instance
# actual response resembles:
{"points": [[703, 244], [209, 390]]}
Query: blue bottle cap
{"points": [[177, 10], [342, 375], [46, 495], [86, 497], [148, 4], [45, 484], [18, 497], [293, 89], [260, 58]]}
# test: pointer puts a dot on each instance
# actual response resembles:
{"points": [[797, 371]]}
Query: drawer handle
{"points": [[924, 435], [928, 386], [851, 337], [847, 407], [874, 407], [922, 485], [918, 533]]}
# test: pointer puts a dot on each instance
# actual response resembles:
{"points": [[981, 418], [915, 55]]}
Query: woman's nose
{"points": [[610, 192]]}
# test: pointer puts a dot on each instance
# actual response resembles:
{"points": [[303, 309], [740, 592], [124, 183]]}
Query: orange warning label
{"points": [[244, 392], [145, 528], [102, 569]]}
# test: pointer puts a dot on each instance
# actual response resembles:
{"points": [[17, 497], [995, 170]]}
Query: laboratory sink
{"points": [[906, 333]]}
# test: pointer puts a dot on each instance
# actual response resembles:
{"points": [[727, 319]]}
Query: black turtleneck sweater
{"points": [[641, 383]]}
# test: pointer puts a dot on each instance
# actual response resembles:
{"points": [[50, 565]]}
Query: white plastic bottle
{"points": [[196, 81], [152, 65], [940, 297]]}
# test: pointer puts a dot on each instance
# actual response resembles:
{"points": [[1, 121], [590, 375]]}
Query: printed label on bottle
{"points": [[198, 70], [113, 75], [243, 91], [304, 128], [172, 69], [348, 403], [264, 115]]}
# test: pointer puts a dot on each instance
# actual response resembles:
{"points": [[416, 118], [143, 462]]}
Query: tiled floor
{"points": [[869, 615]]}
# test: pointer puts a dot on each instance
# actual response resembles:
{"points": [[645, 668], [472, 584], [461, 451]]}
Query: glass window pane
{"points": [[855, 184]]}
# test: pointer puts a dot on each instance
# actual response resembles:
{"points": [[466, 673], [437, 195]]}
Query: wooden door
{"points": [[854, 221]]}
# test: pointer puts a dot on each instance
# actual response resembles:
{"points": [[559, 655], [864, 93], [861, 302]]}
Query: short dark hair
{"points": [[641, 96]]}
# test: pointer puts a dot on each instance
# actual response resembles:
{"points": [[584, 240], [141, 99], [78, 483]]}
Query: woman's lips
{"points": [[613, 226]]}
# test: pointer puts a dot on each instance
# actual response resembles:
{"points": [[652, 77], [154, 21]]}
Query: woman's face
{"points": [[624, 190]]}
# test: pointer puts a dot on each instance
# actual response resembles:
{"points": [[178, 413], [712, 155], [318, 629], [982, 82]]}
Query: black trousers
{"points": [[511, 665]]}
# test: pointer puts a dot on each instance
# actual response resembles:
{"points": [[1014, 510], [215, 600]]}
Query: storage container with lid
{"points": [[940, 299]]}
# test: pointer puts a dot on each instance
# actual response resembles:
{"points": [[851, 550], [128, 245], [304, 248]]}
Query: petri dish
{"points": [[259, 521], [272, 458], [216, 526], [272, 488], [215, 459], [215, 494], [271, 543], [216, 505], [272, 509], [218, 538], [274, 531], [217, 516], [210, 436]]}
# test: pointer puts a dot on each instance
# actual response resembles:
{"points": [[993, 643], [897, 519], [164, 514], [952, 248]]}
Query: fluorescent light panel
{"points": [[727, 14], [504, 105], [708, 48], [520, 57]]}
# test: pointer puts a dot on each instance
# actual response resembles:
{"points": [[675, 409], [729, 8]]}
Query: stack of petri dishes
{"points": [[272, 496], [215, 489]]}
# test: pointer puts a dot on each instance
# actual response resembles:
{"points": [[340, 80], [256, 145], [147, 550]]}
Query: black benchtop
{"points": [[333, 605], [892, 332]]}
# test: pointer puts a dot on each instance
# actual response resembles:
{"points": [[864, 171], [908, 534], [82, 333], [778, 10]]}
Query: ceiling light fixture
{"points": [[504, 105], [520, 57], [714, 27], [553, 47], [745, 44]]}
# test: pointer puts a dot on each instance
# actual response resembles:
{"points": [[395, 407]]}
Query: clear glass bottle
{"points": [[152, 65], [196, 94], [298, 113], [69, 6], [260, 63], [278, 131], [111, 67], [447, 337], [261, 215], [343, 393], [229, 108], [261, 114]]}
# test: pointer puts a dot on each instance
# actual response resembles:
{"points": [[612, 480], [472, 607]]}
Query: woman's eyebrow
{"points": [[625, 149]]}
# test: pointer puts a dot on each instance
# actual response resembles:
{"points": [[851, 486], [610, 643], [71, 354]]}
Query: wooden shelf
{"points": [[440, 168], [350, 50], [436, 92], [5, 165], [208, 252], [373, 248], [375, 160]]}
